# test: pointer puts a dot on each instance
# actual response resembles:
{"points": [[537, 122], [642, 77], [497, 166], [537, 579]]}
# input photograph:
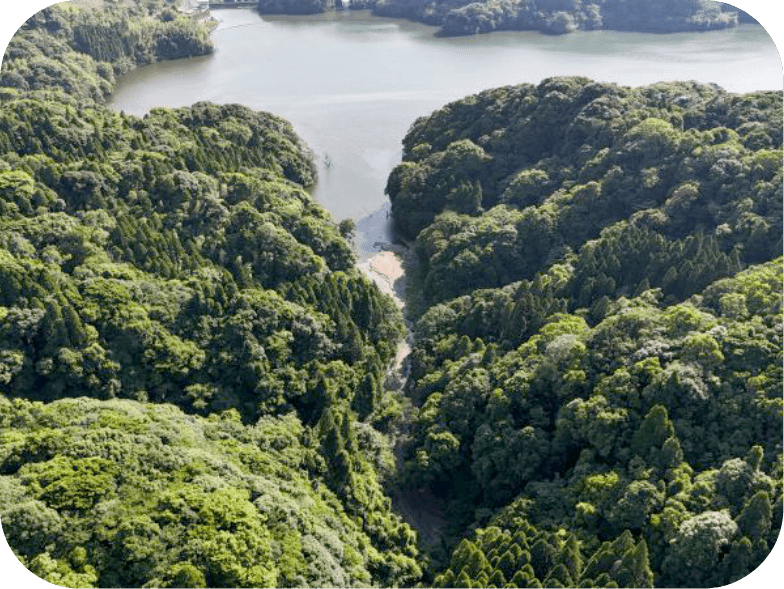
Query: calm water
{"points": [[352, 84]]}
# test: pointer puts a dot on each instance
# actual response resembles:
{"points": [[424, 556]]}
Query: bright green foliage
{"points": [[192, 368], [554, 560], [172, 258], [172, 284], [177, 258], [630, 436], [120, 493]]}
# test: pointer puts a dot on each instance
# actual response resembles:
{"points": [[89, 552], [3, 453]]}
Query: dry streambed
{"points": [[387, 268]]}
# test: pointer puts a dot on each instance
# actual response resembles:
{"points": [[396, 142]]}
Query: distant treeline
{"points": [[468, 17], [82, 51]]}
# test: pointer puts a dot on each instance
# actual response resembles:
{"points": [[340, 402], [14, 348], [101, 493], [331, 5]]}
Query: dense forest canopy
{"points": [[498, 186], [177, 259], [597, 364], [120, 494], [193, 370], [468, 17]]}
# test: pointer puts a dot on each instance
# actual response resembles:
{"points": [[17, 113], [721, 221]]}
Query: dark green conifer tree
{"points": [[653, 432], [635, 568], [755, 519], [542, 557], [569, 555]]}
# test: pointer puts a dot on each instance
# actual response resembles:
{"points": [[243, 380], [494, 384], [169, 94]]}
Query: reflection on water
{"points": [[352, 84]]}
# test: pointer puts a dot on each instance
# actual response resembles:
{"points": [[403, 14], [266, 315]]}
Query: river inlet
{"points": [[352, 84]]}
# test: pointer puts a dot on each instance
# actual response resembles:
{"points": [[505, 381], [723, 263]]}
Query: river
{"points": [[352, 84]]}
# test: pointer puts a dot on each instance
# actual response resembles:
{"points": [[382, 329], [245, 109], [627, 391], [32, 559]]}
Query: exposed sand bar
{"points": [[387, 269]]}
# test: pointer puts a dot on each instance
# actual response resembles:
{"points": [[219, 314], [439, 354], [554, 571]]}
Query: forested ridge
{"points": [[468, 17], [192, 367], [81, 50], [597, 363]]}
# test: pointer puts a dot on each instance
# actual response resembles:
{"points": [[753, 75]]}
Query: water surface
{"points": [[352, 84]]}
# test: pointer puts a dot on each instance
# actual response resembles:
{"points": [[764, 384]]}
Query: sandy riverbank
{"points": [[387, 269]]}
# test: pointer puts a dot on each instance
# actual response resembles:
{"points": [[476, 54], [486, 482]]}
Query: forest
{"points": [[191, 364], [554, 17], [597, 360], [194, 380]]}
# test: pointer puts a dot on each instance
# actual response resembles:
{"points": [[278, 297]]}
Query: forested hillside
{"points": [[598, 362], [177, 262], [497, 187], [124, 494], [81, 50], [468, 17]]}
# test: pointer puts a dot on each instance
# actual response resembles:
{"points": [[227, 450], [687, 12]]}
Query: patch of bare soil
{"points": [[387, 269]]}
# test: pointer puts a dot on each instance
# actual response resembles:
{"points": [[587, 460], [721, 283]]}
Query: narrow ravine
{"points": [[389, 270]]}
